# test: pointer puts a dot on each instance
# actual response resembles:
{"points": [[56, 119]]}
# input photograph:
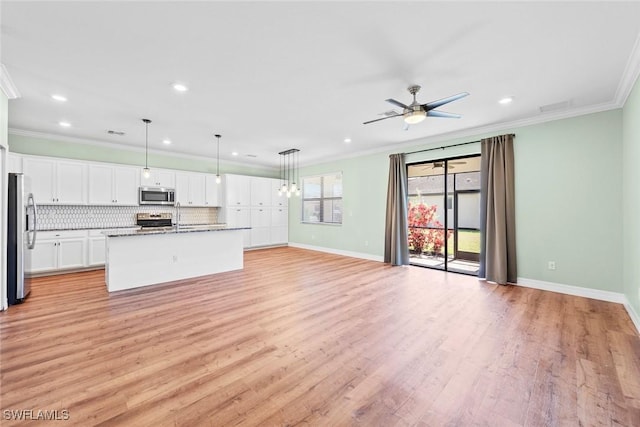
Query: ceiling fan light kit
{"points": [[414, 117], [416, 112]]}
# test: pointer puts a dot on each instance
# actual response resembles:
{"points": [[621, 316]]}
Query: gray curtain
{"points": [[396, 245], [497, 211]]}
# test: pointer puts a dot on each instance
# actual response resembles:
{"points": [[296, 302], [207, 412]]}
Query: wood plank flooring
{"points": [[306, 338]]}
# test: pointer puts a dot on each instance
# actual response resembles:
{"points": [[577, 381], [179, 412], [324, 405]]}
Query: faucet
{"points": [[177, 215]]}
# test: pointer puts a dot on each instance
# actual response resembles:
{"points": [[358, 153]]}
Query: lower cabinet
{"points": [[68, 250], [97, 248], [59, 250], [269, 225]]}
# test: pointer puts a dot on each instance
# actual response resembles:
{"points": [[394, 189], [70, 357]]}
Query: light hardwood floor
{"points": [[306, 338]]}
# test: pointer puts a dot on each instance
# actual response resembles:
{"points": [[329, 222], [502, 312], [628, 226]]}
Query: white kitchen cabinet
{"points": [[279, 200], [125, 185], [268, 214], [96, 248], [190, 189], [240, 217], [113, 185], [279, 225], [237, 190], [59, 250], [212, 191], [56, 182], [44, 256], [158, 178], [261, 191], [260, 226]]}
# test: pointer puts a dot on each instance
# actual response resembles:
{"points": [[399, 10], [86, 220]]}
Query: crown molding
{"points": [[6, 84], [76, 140], [427, 141], [630, 75]]}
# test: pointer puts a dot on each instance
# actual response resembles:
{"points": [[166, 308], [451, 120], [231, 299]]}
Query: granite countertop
{"points": [[172, 230]]}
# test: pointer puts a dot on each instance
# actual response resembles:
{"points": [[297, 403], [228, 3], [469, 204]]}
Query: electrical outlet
{"points": [[551, 265]]}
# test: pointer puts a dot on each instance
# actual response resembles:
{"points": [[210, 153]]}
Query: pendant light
{"points": [[218, 180], [146, 172], [289, 174]]}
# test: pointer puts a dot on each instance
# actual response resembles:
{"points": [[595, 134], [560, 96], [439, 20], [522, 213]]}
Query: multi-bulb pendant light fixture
{"points": [[146, 172], [218, 160], [289, 173]]}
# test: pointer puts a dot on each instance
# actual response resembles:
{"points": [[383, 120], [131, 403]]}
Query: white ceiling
{"points": [[270, 76]]}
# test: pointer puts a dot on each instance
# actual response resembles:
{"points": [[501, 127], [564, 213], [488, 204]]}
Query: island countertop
{"points": [[170, 230]]}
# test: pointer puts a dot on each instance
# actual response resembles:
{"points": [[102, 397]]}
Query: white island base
{"points": [[142, 259]]}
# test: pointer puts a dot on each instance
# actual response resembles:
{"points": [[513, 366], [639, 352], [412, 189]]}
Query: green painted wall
{"points": [[568, 200], [631, 194], [71, 150]]}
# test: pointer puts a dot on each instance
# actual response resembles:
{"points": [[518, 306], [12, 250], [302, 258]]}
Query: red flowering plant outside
{"points": [[426, 233]]}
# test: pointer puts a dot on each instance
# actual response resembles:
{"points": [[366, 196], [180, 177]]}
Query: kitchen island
{"points": [[136, 258]]}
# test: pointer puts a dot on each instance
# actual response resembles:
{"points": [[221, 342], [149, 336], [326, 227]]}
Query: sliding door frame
{"points": [[446, 211]]}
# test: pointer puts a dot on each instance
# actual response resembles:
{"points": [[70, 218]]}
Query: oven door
{"points": [[157, 196]]}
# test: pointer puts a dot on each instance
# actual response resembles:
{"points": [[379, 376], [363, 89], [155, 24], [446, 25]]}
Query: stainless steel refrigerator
{"points": [[21, 237]]}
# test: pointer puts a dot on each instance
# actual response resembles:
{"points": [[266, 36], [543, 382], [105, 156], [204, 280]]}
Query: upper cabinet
{"points": [[190, 189], [113, 185], [212, 191], [237, 189], [56, 182], [159, 178], [261, 191], [278, 198]]}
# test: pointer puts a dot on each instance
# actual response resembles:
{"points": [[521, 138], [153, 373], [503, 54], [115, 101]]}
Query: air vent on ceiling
{"points": [[115, 132], [555, 107], [251, 155]]}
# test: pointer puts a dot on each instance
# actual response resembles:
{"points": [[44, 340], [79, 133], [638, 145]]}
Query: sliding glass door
{"points": [[444, 214]]}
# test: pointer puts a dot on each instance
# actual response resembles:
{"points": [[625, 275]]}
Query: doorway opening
{"points": [[444, 214]]}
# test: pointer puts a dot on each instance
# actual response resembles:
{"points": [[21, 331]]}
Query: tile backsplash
{"points": [[62, 217]]}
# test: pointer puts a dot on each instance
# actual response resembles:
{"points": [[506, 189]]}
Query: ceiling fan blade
{"points": [[433, 113], [435, 104], [383, 118], [397, 103]]}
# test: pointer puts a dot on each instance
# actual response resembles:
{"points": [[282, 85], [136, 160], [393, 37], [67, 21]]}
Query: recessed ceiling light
{"points": [[235, 153], [347, 140], [180, 87], [65, 124], [166, 141], [59, 98], [506, 100]]}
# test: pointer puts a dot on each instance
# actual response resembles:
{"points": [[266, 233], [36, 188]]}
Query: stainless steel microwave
{"points": [[157, 196]]}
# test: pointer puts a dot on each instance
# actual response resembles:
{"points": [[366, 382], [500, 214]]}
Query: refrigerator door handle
{"points": [[31, 202]]}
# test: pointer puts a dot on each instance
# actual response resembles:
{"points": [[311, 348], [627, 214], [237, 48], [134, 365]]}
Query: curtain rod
{"points": [[449, 146]]}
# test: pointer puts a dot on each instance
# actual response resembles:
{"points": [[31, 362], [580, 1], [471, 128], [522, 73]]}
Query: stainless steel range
{"points": [[154, 220]]}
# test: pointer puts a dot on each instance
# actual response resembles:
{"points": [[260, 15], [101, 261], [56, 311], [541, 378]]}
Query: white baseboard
{"points": [[337, 252], [583, 292], [633, 314]]}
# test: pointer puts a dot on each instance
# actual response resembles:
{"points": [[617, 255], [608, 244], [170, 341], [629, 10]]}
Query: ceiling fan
{"points": [[415, 112]]}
